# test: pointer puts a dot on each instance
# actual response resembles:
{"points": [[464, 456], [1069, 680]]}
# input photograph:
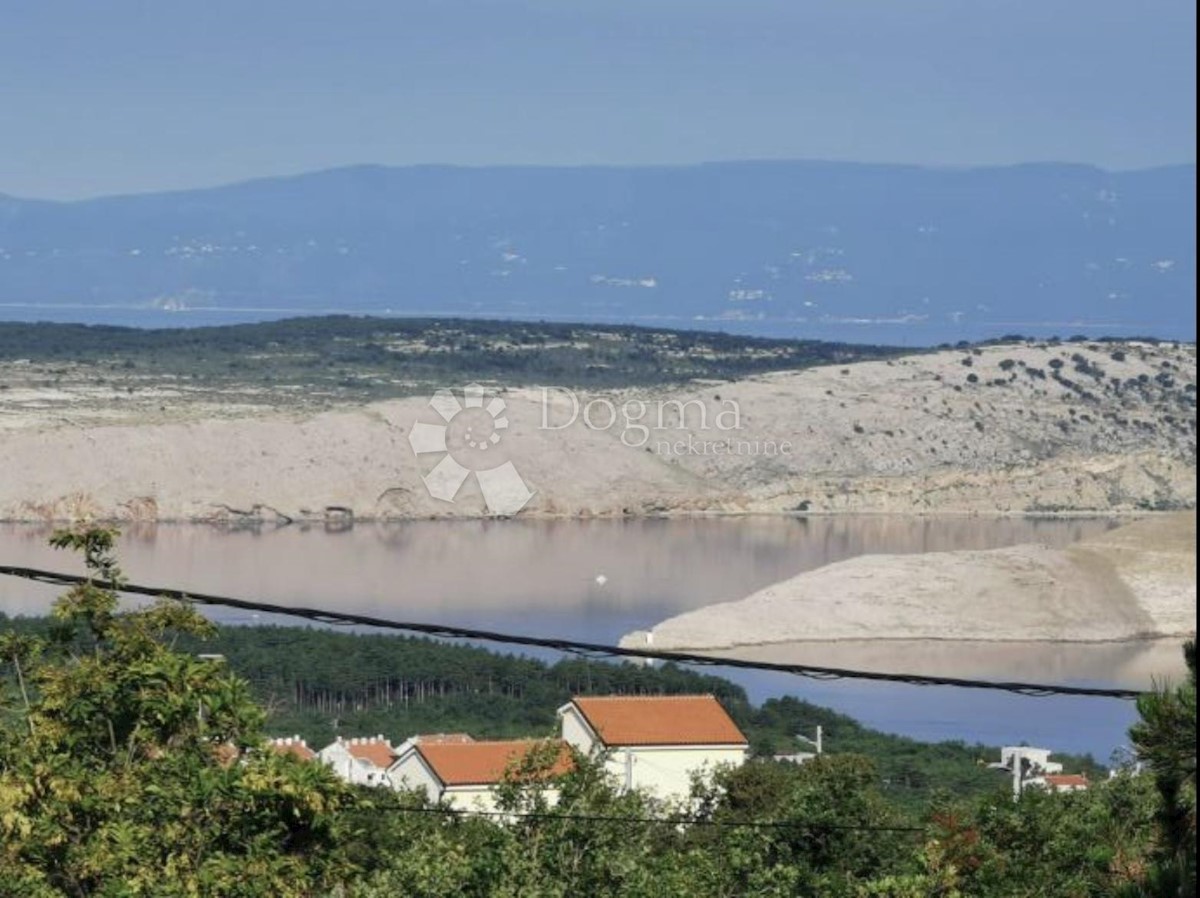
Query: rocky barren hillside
{"points": [[1029, 427], [1023, 427]]}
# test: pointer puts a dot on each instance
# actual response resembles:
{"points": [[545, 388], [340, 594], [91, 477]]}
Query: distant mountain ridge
{"points": [[806, 245]]}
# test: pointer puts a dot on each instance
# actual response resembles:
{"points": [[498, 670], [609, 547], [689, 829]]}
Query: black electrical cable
{"points": [[568, 645], [802, 825]]}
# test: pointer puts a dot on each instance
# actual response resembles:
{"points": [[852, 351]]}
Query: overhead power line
{"points": [[802, 825], [446, 631]]}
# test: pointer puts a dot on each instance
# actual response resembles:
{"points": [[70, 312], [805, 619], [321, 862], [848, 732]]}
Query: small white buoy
{"points": [[601, 579]]}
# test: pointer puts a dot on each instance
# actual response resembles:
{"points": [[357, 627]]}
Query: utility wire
{"points": [[806, 825], [569, 645]]}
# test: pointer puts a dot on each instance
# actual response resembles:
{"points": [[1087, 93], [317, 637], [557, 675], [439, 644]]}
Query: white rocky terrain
{"points": [[1020, 428], [1135, 582]]}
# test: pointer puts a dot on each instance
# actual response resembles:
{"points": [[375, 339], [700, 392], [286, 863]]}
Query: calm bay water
{"points": [[541, 578]]}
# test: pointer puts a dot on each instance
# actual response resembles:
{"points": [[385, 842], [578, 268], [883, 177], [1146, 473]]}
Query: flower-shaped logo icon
{"points": [[471, 428]]}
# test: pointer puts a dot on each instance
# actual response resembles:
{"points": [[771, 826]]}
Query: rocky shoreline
{"points": [[1137, 582]]}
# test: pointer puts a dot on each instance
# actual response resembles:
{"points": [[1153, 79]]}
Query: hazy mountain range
{"points": [[795, 247]]}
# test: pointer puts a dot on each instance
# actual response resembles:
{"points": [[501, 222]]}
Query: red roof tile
{"points": [[1067, 780], [375, 751], [297, 747], [484, 763], [659, 720]]}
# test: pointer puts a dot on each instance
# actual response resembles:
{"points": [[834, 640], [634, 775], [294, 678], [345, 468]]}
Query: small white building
{"points": [[362, 761], [1029, 766], [654, 743], [463, 773], [1034, 760]]}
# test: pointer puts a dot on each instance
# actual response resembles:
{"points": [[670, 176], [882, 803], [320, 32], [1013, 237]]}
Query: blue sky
{"points": [[126, 96]]}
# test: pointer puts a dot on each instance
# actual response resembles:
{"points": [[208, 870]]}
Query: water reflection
{"points": [[512, 569], [1133, 664], [540, 577]]}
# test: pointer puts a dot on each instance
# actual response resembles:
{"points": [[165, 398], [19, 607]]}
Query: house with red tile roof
{"points": [[292, 745], [464, 773], [361, 760], [1032, 767], [654, 743], [1066, 782]]}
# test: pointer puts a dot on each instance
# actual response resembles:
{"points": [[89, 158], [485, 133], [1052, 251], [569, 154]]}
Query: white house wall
{"points": [[666, 772], [575, 732], [340, 761], [350, 768], [482, 799], [471, 798], [410, 772]]}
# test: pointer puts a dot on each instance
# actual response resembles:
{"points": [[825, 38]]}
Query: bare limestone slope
{"points": [[1138, 581], [1029, 427]]}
